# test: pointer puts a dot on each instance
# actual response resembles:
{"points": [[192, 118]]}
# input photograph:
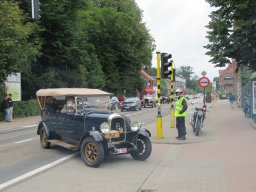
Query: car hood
{"points": [[96, 113], [128, 102]]}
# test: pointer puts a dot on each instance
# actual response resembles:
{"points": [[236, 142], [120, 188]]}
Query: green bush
{"points": [[23, 109]]}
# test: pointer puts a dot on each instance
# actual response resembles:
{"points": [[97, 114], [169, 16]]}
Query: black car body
{"points": [[80, 121], [131, 104]]}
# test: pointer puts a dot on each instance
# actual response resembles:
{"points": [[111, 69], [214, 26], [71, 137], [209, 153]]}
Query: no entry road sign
{"points": [[203, 82]]}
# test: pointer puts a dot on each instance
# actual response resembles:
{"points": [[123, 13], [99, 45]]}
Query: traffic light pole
{"points": [[172, 121], [159, 127]]}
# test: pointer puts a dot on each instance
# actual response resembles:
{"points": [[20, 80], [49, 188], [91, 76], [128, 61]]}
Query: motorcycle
{"points": [[198, 119]]}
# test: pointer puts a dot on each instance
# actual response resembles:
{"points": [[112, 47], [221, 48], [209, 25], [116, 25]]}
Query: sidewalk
{"points": [[223, 160], [19, 122]]}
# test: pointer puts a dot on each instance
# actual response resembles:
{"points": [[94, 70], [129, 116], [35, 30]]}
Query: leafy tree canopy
{"points": [[232, 32], [83, 43], [17, 50]]}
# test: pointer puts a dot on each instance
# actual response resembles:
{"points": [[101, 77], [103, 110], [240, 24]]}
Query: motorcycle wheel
{"points": [[198, 127]]}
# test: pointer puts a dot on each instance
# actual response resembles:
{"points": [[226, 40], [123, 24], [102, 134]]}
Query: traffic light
{"points": [[165, 64], [35, 4]]}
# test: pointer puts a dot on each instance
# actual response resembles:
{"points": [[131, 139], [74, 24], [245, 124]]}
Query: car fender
{"points": [[144, 132], [41, 124], [96, 135]]}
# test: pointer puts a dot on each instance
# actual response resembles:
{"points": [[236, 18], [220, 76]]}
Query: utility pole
{"points": [[172, 78]]}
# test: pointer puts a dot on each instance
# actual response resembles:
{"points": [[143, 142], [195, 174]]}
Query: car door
{"points": [[51, 121], [71, 127]]}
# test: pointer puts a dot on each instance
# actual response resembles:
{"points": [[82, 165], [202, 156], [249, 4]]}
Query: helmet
{"points": [[179, 90]]}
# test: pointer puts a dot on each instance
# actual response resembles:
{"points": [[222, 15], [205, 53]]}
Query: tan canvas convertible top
{"points": [[71, 92], [42, 94]]}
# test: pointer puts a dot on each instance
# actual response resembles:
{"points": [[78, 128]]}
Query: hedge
{"points": [[23, 109]]}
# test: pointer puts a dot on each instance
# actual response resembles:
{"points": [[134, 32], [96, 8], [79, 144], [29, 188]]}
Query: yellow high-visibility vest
{"points": [[178, 108]]}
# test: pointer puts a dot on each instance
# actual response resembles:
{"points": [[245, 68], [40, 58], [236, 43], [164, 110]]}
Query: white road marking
{"points": [[34, 172], [27, 126], [22, 141]]}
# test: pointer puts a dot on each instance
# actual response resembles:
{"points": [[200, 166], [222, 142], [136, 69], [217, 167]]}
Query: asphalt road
{"points": [[23, 153]]}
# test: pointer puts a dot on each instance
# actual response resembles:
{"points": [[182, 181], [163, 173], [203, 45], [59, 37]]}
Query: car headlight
{"points": [[134, 126], [105, 127]]}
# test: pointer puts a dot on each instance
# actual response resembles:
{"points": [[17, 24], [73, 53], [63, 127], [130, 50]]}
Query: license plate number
{"points": [[122, 150]]}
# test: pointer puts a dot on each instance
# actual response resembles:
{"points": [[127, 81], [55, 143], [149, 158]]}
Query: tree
{"points": [[151, 71], [232, 33], [84, 43], [186, 73], [64, 53], [194, 84], [121, 41], [96, 76], [17, 49], [163, 87]]}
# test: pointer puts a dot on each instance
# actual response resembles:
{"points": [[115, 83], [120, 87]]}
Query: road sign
{"points": [[203, 82], [203, 73]]}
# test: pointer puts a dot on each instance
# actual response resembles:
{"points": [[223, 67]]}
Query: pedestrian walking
{"points": [[11, 106], [208, 99], [180, 114], [231, 100], [6, 107], [114, 103]]}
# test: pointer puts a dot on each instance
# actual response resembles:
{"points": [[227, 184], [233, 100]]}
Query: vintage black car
{"points": [[78, 119], [131, 103]]}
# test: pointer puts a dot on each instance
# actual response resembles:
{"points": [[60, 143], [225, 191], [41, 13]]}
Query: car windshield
{"points": [[99, 102], [132, 99]]}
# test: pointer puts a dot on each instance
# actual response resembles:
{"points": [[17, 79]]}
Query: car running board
{"points": [[63, 144]]}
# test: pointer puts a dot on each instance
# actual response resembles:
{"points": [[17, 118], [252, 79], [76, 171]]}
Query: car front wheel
{"points": [[92, 152], [144, 148]]}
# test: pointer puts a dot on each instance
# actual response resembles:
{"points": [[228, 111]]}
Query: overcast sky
{"points": [[178, 27]]}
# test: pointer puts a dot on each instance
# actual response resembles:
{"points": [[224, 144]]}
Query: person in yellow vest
{"points": [[180, 114]]}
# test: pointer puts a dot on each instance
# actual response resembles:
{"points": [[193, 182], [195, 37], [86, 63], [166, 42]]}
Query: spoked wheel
{"points": [[43, 139], [144, 149], [92, 152]]}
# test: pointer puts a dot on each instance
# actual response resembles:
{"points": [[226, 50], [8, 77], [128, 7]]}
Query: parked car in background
{"points": [[148, 100], [131, 104], [165, 99], [78, 119]]}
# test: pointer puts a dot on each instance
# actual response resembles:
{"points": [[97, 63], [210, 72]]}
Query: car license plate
{"points": [[122, 150]]}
